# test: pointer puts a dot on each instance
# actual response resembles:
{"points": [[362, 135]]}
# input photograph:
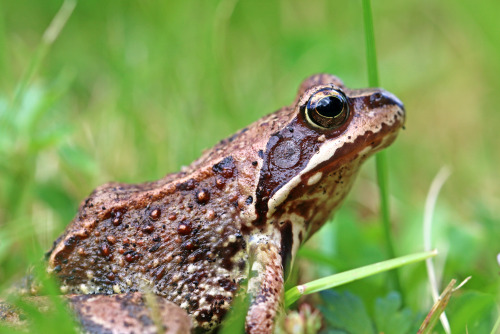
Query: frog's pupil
{"points": [[329, 106]]}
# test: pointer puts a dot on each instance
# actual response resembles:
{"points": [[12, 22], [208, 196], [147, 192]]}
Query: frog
{"points": [[232, 221]]}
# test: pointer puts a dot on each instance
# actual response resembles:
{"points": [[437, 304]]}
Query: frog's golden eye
{"points": [[327, 108]]}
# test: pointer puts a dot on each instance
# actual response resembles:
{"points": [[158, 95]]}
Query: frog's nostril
{"points": [[383, 97], [376, 97]]}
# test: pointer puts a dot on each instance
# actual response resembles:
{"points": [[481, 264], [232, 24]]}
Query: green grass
{"points": [[293, 294], [380, 158], [133, 90]]}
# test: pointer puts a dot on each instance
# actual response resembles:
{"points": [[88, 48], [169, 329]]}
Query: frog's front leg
{"points": [[265, 287]]}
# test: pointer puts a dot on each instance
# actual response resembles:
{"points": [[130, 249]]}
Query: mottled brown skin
{"points": [[244, 206]]}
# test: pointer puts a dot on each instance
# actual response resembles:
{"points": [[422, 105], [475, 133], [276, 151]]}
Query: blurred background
{"points": [[131, 91]]}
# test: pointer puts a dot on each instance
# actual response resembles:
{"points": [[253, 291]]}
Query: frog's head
{"points": [[310, 163]]}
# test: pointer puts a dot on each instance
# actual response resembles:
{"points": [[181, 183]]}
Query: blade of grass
{"points": [[49, 36], [371, 56], [438, 308], [430, 204], [380, 158], [352, 275], [436, 311]]}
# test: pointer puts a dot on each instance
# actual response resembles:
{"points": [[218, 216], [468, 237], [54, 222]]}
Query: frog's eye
{"points": [[327, 109]]}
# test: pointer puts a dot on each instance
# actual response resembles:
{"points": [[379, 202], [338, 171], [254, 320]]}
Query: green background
{"points": [[132, 90]]}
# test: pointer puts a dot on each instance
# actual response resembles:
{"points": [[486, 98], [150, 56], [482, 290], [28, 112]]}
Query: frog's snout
{"points": [[381, 98]]}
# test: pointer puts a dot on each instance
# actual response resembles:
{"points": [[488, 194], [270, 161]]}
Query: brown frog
{"points": [[236, 216]]}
